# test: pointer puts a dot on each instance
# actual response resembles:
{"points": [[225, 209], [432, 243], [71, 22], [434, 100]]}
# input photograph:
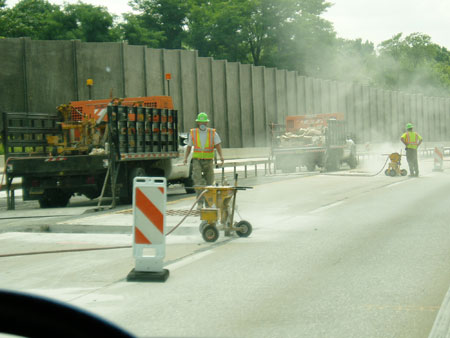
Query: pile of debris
{"points": [[303, 137]]}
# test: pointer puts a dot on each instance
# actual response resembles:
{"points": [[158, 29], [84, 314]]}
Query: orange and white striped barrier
{"points": [[438, 158], [149, 220]]}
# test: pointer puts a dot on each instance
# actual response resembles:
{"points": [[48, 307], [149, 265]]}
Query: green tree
{"points": [[159, 23], [37, 19], [413, 63], [90, 23], [278, 33]]}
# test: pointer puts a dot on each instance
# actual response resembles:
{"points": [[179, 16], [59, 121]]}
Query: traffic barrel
{"points": [[149, 220]]}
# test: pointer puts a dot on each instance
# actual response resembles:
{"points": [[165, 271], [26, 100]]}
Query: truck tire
{"points": [[127, 198], [54, 198], [310, 166], [332, 162], [352, 161]]}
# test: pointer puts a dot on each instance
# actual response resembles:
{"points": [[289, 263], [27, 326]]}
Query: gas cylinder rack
{"points": [[140, 133]]}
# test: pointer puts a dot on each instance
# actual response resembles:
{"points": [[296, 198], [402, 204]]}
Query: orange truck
{"points": [[58, 156], [312, 141]]}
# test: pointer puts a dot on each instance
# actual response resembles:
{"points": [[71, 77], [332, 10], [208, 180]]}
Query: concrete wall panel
{"points": [[325, 97], [46, 92], [102, 62], [280, 78], [205, 93], [12, 77], [387, 111], [373, 115], [346, 100], [335, 98], [234, 105], [134, 65], [442, 114], [271, 97], [246, 94], [155, 72], [172, 87], [402, 118], [291, 92], [309, 95], [396, 129], [317, 96], [381, 131], [367, 130], [188, 90], [219, 100], [420, 115], [301, 95], [259, 108], [359, 114]]}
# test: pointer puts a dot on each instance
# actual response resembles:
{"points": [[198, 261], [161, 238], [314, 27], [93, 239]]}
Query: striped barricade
{"points": [[438, 158], [149, 218]]}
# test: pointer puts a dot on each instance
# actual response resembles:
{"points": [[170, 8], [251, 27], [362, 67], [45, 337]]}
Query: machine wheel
{"points": [[386, 172], [404, 172], [392, 173], [202, 226], [210, 233], [311, 166], [246, 228], [54, 198]]}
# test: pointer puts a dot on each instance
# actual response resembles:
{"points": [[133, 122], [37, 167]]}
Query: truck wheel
{"points": [[352, 162], [135, 172], [288, 168], [54, 198], [332, 164], [310, 166]]}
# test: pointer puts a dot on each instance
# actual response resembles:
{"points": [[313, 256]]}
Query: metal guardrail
{"points": [[253, 163]]}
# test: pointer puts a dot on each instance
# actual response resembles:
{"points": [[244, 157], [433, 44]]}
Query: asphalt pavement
{"points": [[345, 255]]}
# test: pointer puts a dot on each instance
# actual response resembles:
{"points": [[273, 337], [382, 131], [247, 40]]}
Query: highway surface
{"points": [[341, 255]]}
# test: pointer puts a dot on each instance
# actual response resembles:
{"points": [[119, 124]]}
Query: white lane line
{"points": [[188, 260], [332, 205], [441, 326], [396, 183]]}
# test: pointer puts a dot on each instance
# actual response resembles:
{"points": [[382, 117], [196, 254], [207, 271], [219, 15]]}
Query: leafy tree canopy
{"points": [[287, 34]]}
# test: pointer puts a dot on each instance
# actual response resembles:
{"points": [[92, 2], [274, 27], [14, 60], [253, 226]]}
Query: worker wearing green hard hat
{"points": [[412, 141], [202, 118], [204, 140]]}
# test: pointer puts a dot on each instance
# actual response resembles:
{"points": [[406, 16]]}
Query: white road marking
{"points": [[332, 205], [188, 260]]}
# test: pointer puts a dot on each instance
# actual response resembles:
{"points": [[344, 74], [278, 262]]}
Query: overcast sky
{"points": [[373, 20]]}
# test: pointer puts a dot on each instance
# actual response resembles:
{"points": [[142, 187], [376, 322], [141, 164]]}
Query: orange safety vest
{"points": [[207, 150], [412, 139]]}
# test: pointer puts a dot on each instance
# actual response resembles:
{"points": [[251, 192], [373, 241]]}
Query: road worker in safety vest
{"points": [[204, 140], [412, 141]]}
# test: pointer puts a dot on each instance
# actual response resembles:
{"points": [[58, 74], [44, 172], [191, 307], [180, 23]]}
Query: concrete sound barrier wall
{"points": [[241, 100]]}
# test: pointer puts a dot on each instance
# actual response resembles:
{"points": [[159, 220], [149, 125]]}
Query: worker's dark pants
{"points": [[202, 174], [411, 156]]}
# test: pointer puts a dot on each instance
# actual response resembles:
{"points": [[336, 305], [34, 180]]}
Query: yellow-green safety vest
{"points": [[412, 139], [207, 151]]}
